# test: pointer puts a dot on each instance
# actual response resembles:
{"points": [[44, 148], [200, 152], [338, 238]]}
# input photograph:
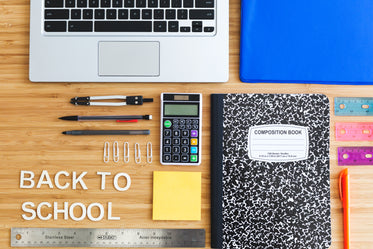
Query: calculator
{"points": [[181, 128]]}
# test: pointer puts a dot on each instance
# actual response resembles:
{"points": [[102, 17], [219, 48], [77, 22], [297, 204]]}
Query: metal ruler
{"points": [[353, 106], [352, 156], [104, 237], [354, 131]]}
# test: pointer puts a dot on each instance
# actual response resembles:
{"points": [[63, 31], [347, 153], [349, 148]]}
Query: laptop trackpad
{"points": [[128, 58]]}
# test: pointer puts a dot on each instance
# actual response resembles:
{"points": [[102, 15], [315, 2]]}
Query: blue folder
{"points": [[307, 41]]}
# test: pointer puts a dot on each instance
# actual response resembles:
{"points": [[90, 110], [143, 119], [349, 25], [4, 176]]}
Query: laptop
{"points": [[129, 41]]}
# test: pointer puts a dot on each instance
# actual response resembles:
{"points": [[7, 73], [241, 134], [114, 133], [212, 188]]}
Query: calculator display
{"points": [[181, 110]]}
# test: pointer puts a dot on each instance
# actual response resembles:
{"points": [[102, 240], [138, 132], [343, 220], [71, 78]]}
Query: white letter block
{"points": [[30, 179], [116, 185], [38, 211], [47, 180], [64, 211], [89, 212], [28, 210], [57, 180], [109, 212], [71, 211], [103, 178], [79, 180]]}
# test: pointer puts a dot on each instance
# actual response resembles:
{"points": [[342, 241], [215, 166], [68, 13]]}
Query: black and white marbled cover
{"points": [[275, 205]]}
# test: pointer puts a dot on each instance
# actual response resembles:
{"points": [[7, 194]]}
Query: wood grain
{"points": [[31, 139]]}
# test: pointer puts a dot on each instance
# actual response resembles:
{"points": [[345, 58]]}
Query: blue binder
{"points": [[299, 41]]}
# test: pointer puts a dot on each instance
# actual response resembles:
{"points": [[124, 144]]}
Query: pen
{"points": [[107, 132], [344, 187], [118, 117]]}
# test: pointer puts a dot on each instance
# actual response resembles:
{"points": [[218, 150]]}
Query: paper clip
{"points": [[137, 153], [126, 152], [106, 152], [149, 152], [116, 152]]}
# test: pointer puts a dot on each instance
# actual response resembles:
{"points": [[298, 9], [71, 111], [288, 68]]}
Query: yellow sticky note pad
{"points": [[176, 195]]}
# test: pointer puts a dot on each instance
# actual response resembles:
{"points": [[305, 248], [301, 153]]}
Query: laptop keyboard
{"points": [[159, 16]]}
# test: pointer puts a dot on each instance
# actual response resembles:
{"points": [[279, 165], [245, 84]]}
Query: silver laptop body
{"points": [[129, 41]]}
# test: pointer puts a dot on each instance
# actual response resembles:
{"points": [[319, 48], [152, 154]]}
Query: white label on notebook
{"points": [[278, 143]]}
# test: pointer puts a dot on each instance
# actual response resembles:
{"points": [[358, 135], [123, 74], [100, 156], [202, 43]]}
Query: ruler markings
{"points": [[105, 237], [353, 106], [362, 131], [353, 156]]}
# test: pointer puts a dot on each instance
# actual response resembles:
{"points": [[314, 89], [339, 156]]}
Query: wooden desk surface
{"points": [[30, 139]]}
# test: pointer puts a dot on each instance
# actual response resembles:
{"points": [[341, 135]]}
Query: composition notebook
{"points": [[270, 185], [300, 41]]}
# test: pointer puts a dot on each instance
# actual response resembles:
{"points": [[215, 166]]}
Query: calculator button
{"points": [[176, 133], [194, 133], [167, 158], [188, 122], [195, 121], [176, 126], [185, 158], [176, 158], [195, 127], [185, 141], [182, 127], [193, 150], [193, 158], [184, 149], [189, 127], [167, 149], [167, 133], [194, 141], [182, 121], [176, 121], [176, 141], [176, 149], [185, 133], [167, 124], [167, 141]]}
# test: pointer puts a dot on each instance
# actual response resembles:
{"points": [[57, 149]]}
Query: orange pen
{"points": [[344, 188]]}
